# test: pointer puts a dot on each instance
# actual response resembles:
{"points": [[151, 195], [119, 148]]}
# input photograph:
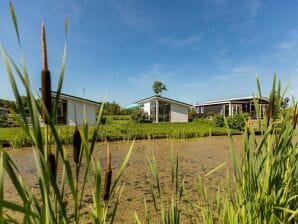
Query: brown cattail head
{"points": [[77, 141], [52, 165], [46, 94], [108, 177], [45, 79], [44, 48]]}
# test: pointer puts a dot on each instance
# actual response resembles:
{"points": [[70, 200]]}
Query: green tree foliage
{"points": [[159, 87], [7, 104], [112, 108], [10, 104]]}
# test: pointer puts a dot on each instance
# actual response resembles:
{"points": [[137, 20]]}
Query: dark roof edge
{"points": [[217, 102], [78, 98], [165, 98]]}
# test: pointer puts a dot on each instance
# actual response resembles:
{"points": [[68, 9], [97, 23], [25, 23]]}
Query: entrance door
{"points": [[236, 109], [263, 108], [226, 110]]}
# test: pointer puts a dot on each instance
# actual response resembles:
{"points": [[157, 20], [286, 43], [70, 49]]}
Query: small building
{"points": [[72, 109], [230, 107], [162, 109], [4, 111]]}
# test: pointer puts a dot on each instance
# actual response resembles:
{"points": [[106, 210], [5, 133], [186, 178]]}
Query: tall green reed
{"points": [[50, 204], [265, 179]]}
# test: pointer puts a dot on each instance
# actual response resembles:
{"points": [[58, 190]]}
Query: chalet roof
{"points": [[83, 100], [3, 108], [245, 98], [158, 97]]}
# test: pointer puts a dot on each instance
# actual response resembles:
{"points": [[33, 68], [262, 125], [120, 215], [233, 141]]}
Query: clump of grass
{"points": [[266, 177]]}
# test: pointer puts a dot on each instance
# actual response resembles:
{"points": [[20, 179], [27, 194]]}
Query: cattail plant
{"points": [[45, 79], [50, 204], [77, 141], [52, 165], [108, 177]]}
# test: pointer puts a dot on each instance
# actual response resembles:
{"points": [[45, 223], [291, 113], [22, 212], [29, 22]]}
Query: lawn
{"points": [[120, 130]]}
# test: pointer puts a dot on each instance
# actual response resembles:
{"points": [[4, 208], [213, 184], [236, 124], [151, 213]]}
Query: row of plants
{"points": [[123, 131]]}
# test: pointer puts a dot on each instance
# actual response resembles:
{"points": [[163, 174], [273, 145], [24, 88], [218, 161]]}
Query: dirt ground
{"points": [[196, 156]]}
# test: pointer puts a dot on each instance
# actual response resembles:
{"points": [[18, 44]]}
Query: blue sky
{"points": [[202, 50]]}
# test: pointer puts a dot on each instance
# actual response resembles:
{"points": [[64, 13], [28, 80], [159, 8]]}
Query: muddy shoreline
{"points": [[196, 157]]}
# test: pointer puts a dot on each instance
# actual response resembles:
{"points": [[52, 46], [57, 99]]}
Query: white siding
{"points": [[90, 112], [147, 108], [179, 113]]}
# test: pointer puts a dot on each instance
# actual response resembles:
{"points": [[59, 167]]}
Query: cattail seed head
{"points": [[46, 94], [44, 48], [77, 141], [45, 79], [52, 165], [108, 177]]}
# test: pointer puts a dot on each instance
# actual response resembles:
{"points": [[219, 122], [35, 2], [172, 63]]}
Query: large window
{"points": [[61, 112], [164, 111], [153, 111]]}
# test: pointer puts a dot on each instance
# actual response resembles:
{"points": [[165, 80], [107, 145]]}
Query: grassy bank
{"points": [[15, 137]]}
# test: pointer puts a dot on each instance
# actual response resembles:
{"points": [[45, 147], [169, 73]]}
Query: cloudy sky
{"points": [[202, 50]]}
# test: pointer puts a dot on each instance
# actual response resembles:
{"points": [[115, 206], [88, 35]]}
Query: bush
{"points": [[238, 121], [4, 121], [192, 115], [211, 114], [18, 140], [139, 116], [219, 120]]}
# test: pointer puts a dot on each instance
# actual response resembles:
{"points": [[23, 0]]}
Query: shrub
{"points": [[192, 115], [238, 121], [4, 121], [211, 114], [219, 120], [18, 140], [139, 116]]}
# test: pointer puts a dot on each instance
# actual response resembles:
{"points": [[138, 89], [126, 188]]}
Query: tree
{"points": [[111, 108], [159, 87]]}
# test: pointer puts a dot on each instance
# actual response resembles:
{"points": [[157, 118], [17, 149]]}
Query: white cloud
{"points": [[286, 44], [183, 42], [155, 72]]}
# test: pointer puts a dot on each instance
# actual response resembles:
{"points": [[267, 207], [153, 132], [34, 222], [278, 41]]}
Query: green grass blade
{"points": [[123, 165], [15, 22], [1, 183], [215, 169], [17, 208]]}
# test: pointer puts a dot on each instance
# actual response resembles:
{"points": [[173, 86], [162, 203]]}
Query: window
{"points": [[236, 109], [164, 111], [202, 110], [153, 111]]}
